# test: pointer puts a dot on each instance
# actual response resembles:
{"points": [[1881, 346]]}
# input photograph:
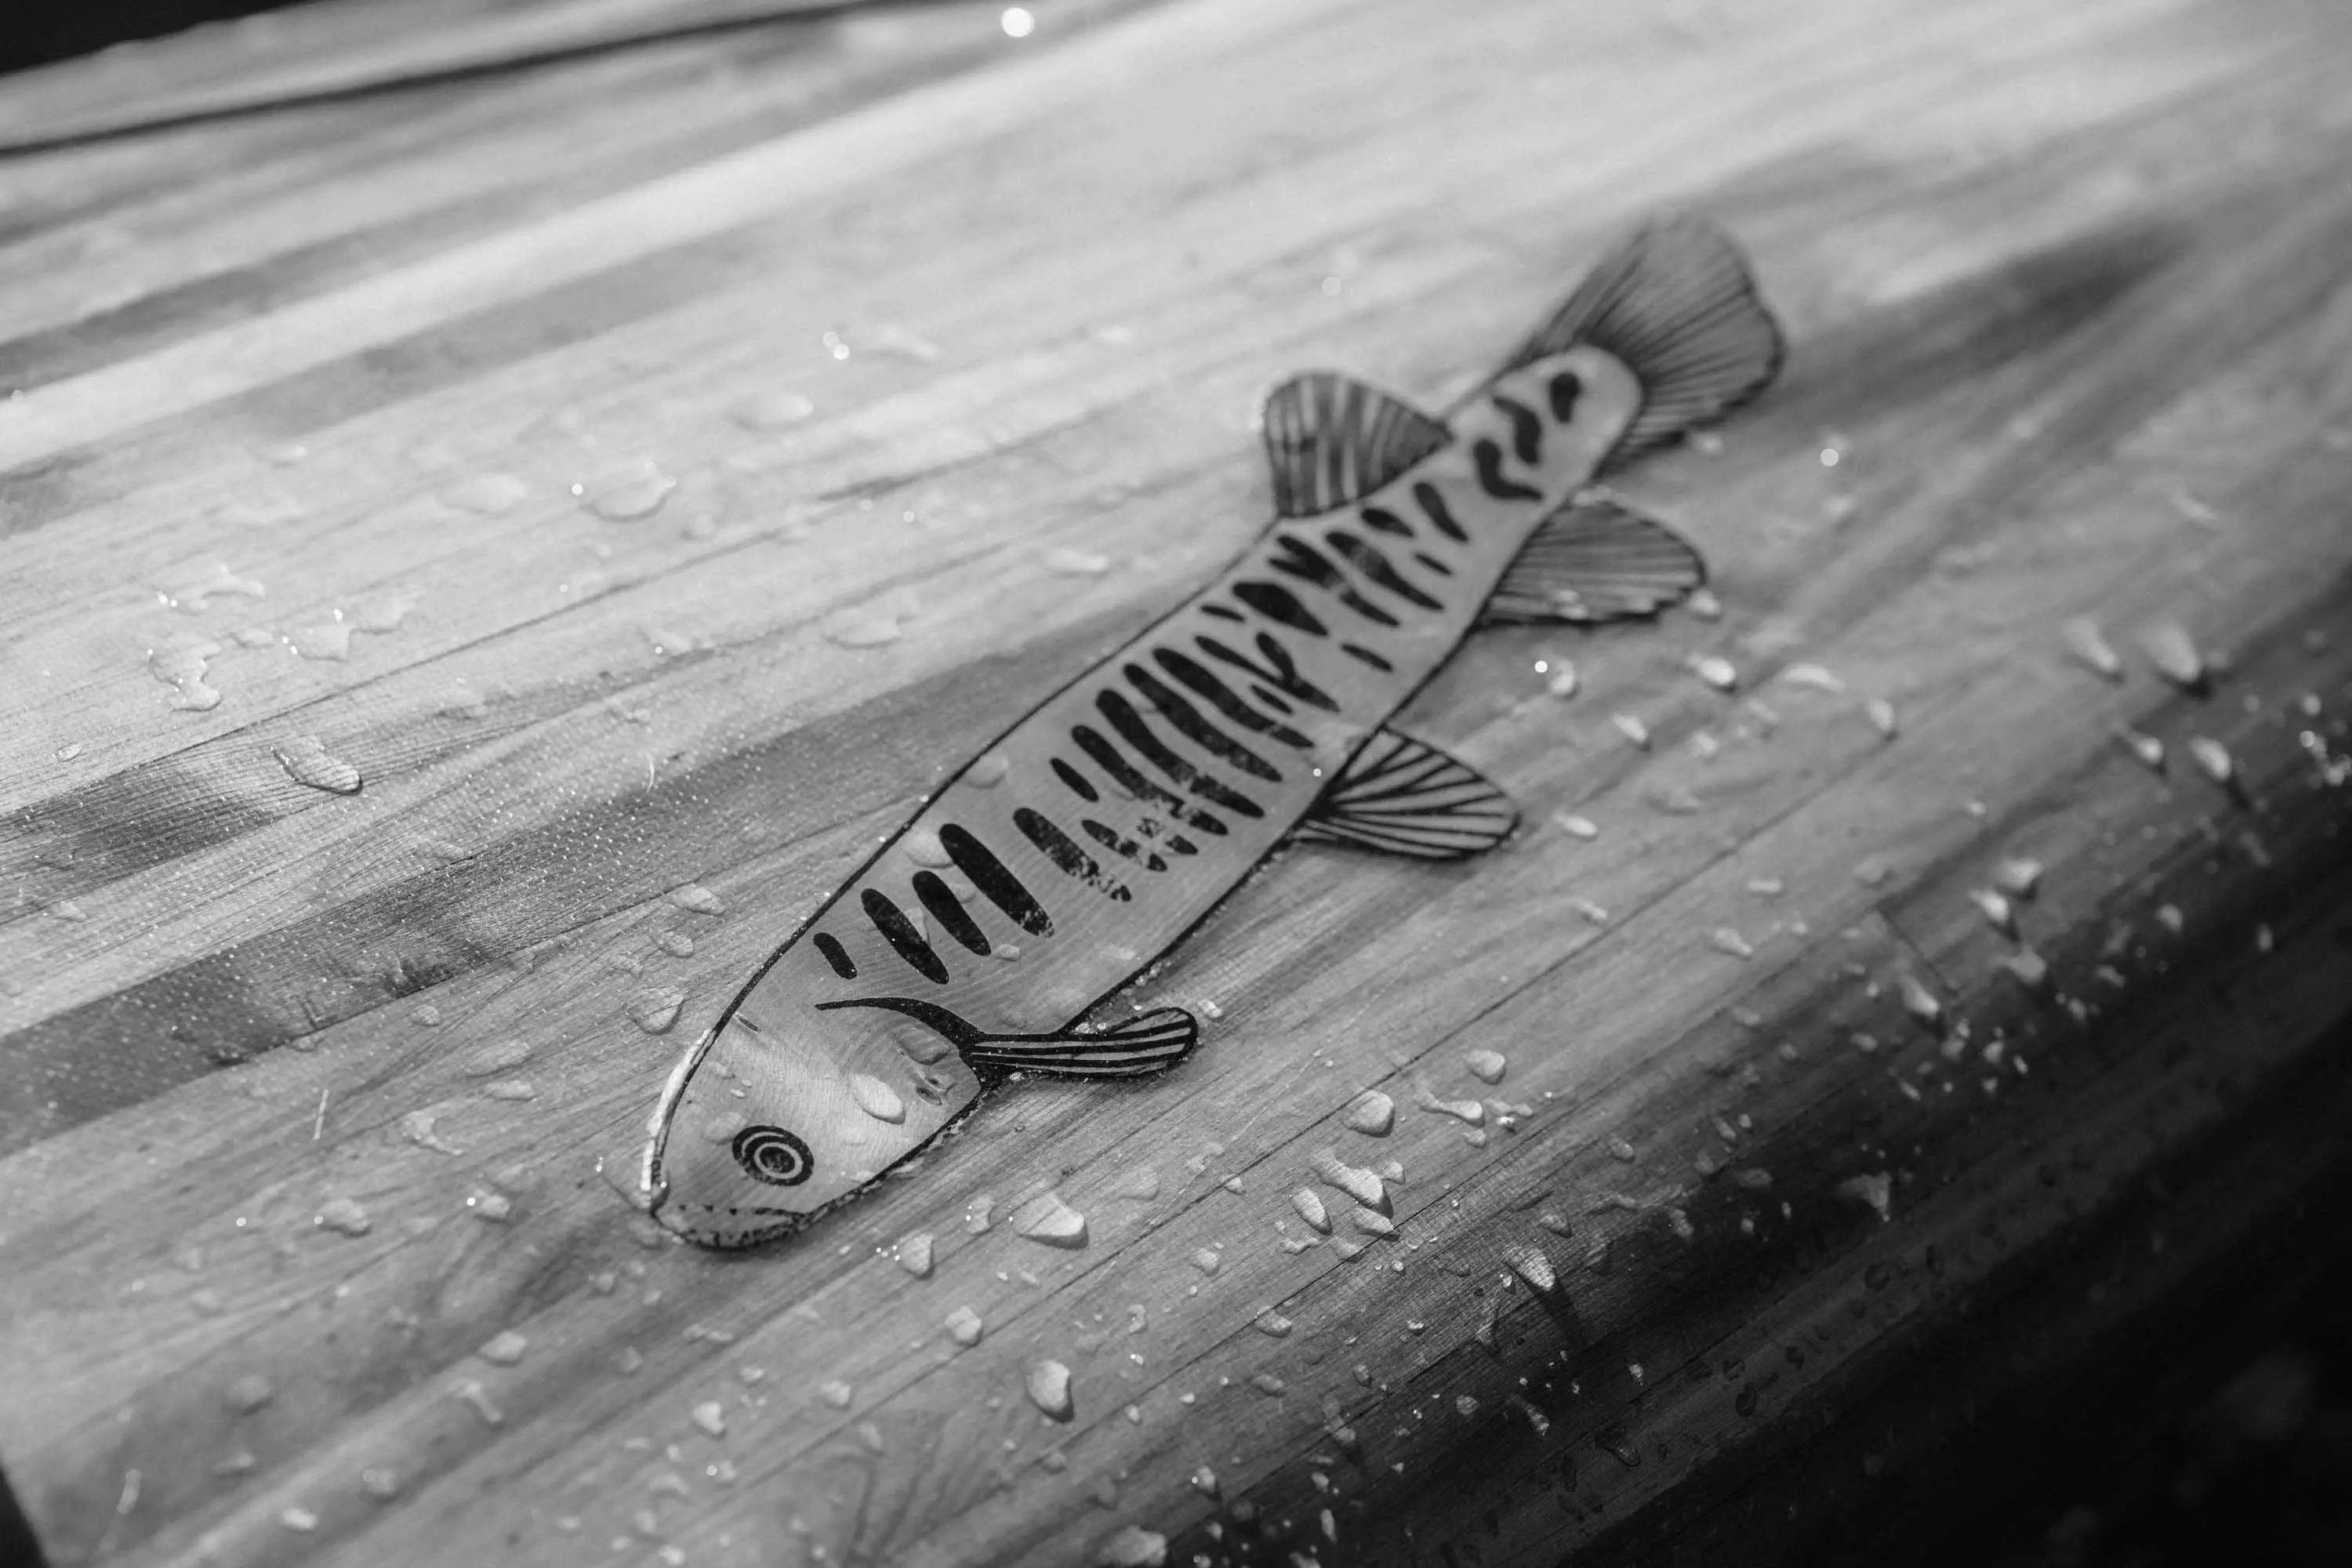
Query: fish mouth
{"points": [[652, 1185]]}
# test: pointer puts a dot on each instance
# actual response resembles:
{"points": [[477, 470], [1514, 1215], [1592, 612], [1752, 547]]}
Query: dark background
{"points": [[36, 33]]}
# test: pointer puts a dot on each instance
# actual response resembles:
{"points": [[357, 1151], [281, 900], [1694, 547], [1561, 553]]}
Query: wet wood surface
{"points": [[546, 456]]}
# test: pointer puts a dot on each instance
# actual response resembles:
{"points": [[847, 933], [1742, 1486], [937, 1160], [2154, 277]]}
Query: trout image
{"points": [[1101, 829]]}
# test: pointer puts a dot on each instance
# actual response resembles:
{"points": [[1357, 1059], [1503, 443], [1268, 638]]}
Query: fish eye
{"points": [[772, 1155]]}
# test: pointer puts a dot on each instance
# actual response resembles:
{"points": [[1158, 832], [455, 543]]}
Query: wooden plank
{"points": [[2075, 341]]}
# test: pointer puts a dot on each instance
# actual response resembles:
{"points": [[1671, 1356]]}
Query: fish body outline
{"points": [[1112, 819]]}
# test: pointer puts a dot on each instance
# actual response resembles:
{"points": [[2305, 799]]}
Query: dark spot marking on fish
{"points": [[1222, 612], [1226, 701], [1270, 700], [1136, 733], [1491, 477], [1280, 670], [900, 934], [1277, 603], [948, 910], [1075, 779], [1375, 567], [1433, 503], [1194, 727], [1151, 827], [1308, 564], [1383, 521], [1129, 778], [1368, 656], [1064, 852], [996, 879], [1432, 562], [835, 955], [1526, 430], [1565, 389], [1109, 839]]}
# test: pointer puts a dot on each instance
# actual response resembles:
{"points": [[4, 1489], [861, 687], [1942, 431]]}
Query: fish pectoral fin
{"points": [[1404, 797], [1330, 439], [1148, 1043], [1595, 559]]}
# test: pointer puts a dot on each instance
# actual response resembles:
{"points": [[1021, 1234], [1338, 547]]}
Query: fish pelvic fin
{"points": [[1595, 559], [1676, 303], [1404, 797]]}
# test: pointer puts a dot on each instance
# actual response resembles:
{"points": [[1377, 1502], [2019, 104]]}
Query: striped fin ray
{"points": [[1595, 559], [1404, 797], [1330, 439], [1676, 303], [1148, 1043]]}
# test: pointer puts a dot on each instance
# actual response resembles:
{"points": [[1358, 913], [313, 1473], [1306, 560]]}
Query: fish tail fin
{"points": [[1674, 302]]}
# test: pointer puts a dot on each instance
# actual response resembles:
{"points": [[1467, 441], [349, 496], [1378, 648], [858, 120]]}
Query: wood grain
{"points": [[2066, 300]]}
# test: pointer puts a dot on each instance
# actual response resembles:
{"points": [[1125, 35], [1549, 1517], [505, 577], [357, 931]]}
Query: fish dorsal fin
{"points": [[1676, 303], [1404, 797], [1147, 1043], [1595, 559], [1330, 439]]}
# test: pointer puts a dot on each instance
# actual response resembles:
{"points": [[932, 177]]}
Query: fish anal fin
{"points": [[1331, 439], [1595, 559], [1404, 797], [1148, 1043]]}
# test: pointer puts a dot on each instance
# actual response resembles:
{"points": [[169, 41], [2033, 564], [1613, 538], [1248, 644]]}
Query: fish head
{"points": [[787, 1107]]}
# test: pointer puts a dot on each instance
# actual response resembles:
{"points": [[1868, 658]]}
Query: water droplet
{"points": [[379, 1483], [250, 1393], [2088, 644], [300, 1520], [1881, 714], [379, 613], [877, 1098], [2147, 749], [1530, 1264], [1995, 908], [773, 411], [1813, 676], [696, 898], [924, 848], [470, 1392], [2032, 970], [710, 1417], [676, 943], [1049, 1388], [1702, 602], [1066, 562], [1487, 1066], [835, 1393], [328, 640], [630, 1359], [1671, 799], [2169, 916], [1047, 1219], [1371, 1222], [182, 669], [2018, 878], [344, 1215], [2213, 758], [417, 1128], [1582, 827], [191, 591], [1724, 939], [1590, 912], [1310, 1209], [964, 1327], [511, 1088], [1633, 728], [628, 494], [1018, 22], [1207, 1261], [1919, 1001], [1356, 1181], [1142, 1185], [2174, 653], [1563, 682], [307, 761], [988, 771], [504, 1349], [914, 1252], [655, 1008], [1274, 1325], [485, 495], [976, 1213], [1715, 670], [1875, 1191], [490, 1209], [426, 1016], [504, 1057], [1134, 1547], [1372, 1112]]}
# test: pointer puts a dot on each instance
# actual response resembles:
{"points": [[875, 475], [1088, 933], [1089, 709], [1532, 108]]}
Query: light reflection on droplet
{"points": [[1018, 22]]}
